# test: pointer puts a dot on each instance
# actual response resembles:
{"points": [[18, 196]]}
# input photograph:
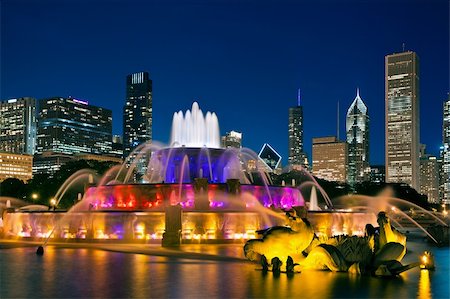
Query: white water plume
{"points": [[195, 130]]}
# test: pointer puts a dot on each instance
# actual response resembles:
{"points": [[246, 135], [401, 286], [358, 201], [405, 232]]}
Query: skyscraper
{"points": [[429, 178], [402, 118], [137, 112], [71, 126], [357, 127], [296, 155], [18, 126], [446, 153], [329, 157]]}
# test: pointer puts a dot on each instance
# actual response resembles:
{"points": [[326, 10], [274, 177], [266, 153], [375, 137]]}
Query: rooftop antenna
{"points": [[403, 47], [298, 97], [338, 120]]}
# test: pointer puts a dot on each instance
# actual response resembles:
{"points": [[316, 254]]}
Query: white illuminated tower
{"points": [[357, 128]]}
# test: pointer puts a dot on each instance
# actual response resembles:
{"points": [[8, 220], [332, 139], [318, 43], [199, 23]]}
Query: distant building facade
{"points": [[297, 157], [232, 139], [18, 126], [329, 157], [19, 166], [137, 112], [357, 128], [429, 178], [117, 146], [49, 162], [402, 118], [377, 174], [71, 126], [446, 153]]}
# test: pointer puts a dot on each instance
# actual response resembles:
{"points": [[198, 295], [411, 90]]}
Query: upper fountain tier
{"points": [[195, 130]]}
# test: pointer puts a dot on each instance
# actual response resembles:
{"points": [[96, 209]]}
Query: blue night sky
{"points": [[243, 60]]}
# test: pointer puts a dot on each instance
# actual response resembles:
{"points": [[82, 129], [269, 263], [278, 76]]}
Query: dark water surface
{"points": [[93, 273]]}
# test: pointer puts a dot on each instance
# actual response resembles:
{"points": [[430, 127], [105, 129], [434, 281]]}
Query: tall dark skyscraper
{"points": [[137, 112], [296, 155], [18, 126], [71, 126], [357, 128], [402, 118], [446, 153]]}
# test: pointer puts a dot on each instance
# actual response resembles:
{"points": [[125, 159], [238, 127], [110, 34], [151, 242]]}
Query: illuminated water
{"points": [[206, 271]]}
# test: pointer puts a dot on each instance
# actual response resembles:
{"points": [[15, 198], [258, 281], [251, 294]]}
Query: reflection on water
{"points": [[424, 285], [65, 272]]}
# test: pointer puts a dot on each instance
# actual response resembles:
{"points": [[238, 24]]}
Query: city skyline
{"points": [[218, 54]]}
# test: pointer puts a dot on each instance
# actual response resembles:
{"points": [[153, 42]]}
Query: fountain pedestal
{"points": [[233, 186], [201, 194], [172, 234]]}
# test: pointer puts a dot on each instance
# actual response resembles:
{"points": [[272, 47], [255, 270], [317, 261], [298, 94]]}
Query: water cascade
{"points": [[195, 130]]}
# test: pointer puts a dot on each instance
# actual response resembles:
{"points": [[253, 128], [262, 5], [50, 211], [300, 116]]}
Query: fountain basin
{"points": [[149, 226]]}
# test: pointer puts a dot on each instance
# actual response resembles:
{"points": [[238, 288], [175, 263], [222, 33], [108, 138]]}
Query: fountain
{"points": [[217, 194], [200, 193], [192, 191]]}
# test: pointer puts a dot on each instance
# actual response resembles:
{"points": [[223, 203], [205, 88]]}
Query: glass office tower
{"points": [[72, 126], [297, 157], [446, 153], [137, 112], [18, 126]]}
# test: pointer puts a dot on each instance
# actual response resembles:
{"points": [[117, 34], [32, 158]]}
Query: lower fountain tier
{"points": [[133, 226]]}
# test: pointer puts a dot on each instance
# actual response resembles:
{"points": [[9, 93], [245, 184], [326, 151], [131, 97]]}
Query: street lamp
{"points": [[53, 203], [34, 196]]}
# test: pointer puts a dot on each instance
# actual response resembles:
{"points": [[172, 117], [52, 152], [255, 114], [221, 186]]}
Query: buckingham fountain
{"points": [[191, 191], [195, 191]]}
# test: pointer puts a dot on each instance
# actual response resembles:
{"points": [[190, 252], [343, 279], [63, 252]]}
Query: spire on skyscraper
{"points": [[298, 98], [358, 105]]}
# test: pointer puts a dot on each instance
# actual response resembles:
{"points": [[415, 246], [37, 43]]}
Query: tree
{"points": [[47, 187], [13, 187]]}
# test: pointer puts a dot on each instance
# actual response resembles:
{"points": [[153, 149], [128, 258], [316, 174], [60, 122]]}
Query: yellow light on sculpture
{"points": [[427, 261], [424, 259]]}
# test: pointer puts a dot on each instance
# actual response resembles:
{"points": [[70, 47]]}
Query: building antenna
{"points": [[338, 120], [298, 97], [403, 46]]}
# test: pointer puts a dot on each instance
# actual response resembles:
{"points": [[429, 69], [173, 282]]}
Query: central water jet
{"points": [[195, 130]]}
